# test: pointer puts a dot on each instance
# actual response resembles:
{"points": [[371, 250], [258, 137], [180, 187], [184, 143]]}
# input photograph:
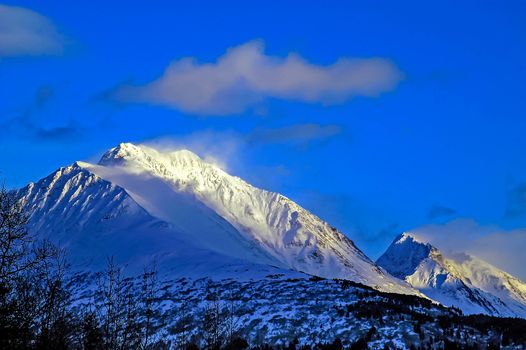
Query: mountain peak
{"points": [[142, 155], [404, 255], [409, 238], [456, 279], [115, 155]]}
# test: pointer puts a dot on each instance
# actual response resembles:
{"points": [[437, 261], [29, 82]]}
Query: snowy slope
{"points": [[287, 233], [78, 209], [457, 279], [94, 219], [139, 203], [276, 309]]}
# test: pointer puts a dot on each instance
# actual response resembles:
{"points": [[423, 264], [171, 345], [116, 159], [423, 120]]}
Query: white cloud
{"points": [[502, 248], [245, 76], [25, 32]]}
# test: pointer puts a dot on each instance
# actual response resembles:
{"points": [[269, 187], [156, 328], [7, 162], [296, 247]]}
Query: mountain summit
{"points": [[139, 202], [456, 279]]}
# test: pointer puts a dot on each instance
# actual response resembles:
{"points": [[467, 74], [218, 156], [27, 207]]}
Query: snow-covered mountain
{"points": [[139, 203], [455, 279], [94, 219]]}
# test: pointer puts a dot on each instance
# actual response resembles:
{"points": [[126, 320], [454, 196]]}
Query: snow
{"points": [[139, 203], [287, 233], [277, 309], [185, 214], [405, 254], [94, 219], [455, 279]]}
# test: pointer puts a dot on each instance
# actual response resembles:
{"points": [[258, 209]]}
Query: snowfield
{"points": [[197, 223]]}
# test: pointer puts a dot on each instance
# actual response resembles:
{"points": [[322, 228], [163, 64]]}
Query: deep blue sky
{"points": [[447, 142]]}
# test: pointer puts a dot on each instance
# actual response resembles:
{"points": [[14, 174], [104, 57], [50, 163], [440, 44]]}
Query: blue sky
{"points": [[432, 132]]}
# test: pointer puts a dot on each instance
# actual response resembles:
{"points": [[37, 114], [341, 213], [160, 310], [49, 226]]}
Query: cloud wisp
{"points": [[245, 76], [25, 125], [222, 147], [437, 211], [25, 32]]}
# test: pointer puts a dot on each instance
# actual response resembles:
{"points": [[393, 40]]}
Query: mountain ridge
{"points": [[455, 279], [269, 218], [198, 205], [141, 204]]}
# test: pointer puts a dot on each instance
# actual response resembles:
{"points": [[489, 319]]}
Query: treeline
{"points": [[450, 330]]}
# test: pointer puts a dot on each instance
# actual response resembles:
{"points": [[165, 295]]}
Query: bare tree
{"points": [[118, 314], [57, 323], [91, 330], [32, 301], [184, 324], [148, 300], [231, 320], [213, 321], [19, 251]]}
